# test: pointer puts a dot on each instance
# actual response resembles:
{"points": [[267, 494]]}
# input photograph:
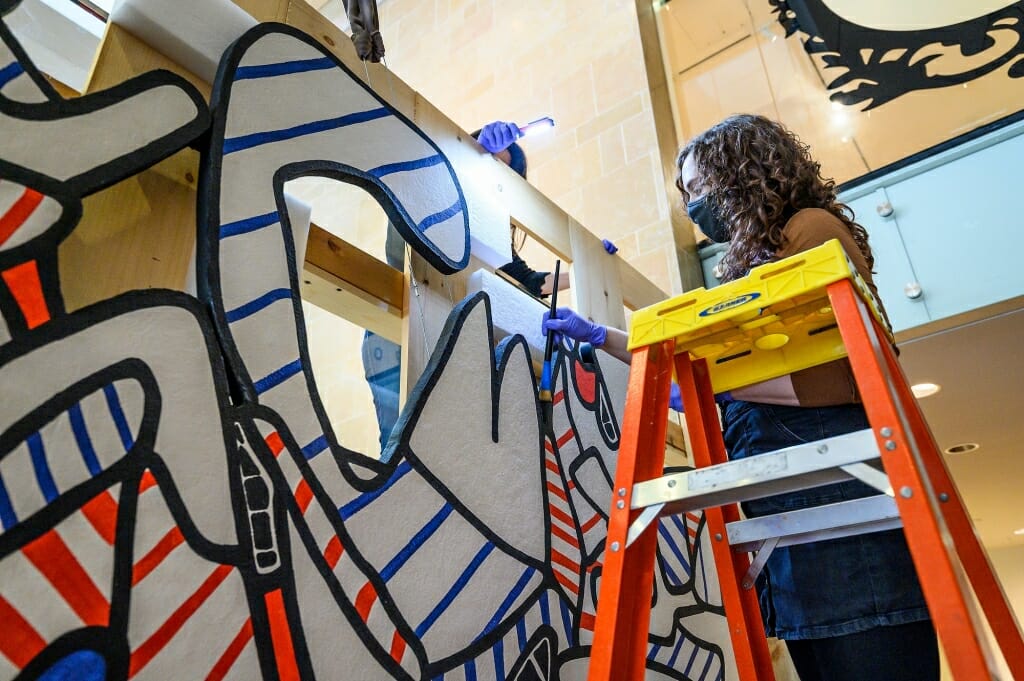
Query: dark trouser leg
{"points": [[907, 652], [804, 659]]}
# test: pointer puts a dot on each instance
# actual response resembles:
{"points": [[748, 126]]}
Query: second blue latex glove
{"points": [[568, 323], [498, 136], [611, 248]]}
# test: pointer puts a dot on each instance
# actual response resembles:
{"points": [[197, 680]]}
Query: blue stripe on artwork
{"points": [[256, 139], [675, 651], [7, 516], [254, 306], [521, 633], [364, 500], [249, 224], [43, 477], [499, 659], [278, 377], [315, 447], [10, 72], [415, 543], [672, 576], [431, 220], [470, 671], [283, 69], [456, 589], [672, 545], [545, 616], [693, 656], [707, 667], [655, 648], [116, 413], [82, 438], [680, 525], [510, 599], [405, 166], [566, 621]]}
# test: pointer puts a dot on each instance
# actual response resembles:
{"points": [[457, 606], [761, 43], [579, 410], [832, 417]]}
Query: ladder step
{"points": [[786, 470], [843, 519]]}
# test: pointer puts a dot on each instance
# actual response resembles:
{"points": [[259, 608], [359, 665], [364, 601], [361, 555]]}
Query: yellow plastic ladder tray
{"points": [[772, 322]]}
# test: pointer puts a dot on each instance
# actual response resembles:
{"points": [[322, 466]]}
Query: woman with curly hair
{"points": [[850, 609]]}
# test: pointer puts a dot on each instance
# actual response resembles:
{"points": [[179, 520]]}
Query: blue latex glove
{"points": [[568, 323], [609, 246], [498, 136], [675, 398]]}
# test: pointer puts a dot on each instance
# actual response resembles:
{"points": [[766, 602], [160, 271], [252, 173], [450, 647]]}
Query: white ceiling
{"points": [[980, 367]]}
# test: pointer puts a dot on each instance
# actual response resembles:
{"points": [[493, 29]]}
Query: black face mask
{"points": [[702, 211]]}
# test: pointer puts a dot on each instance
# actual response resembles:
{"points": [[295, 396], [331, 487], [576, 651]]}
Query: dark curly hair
{"points": [[758, 174]]}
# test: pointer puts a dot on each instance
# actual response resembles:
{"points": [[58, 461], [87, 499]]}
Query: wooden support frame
{"points": [[337, 276]]}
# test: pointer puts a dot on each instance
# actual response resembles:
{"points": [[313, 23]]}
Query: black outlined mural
{"points": [[173, 501], [877, 66]]}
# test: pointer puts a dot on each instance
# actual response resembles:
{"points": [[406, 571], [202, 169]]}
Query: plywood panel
{"points": [[595, 279]]}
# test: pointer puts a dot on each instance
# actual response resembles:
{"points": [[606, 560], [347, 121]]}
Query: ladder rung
{"points": [[786, 470], [843, 519]]}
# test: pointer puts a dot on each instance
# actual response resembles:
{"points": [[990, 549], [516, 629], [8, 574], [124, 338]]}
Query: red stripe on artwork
{"points": [[275, 443], [101, 512], [567, 583], [61, 568], [27, 290], [20, 211], [147, 482], [149, 649], [557, 491], [564, 561], [281, 637], [156, 555], [19, 641], [332, 554], [565, 536], [234, 649], [397, 647], [365, 599], [561, 515], [587, 526], [303, 495]]}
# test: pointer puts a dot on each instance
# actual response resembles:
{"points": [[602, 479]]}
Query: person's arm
{"points": [[563, 282], [615, 345], [571, 324], [614, 342]]}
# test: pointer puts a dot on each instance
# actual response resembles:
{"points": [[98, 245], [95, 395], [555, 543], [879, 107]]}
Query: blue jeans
{"points": [[828, 588], [382, 366], [382, 359]]}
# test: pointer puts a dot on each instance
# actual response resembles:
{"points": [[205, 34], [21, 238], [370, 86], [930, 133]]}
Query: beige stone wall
{"points": [[579, 61]]}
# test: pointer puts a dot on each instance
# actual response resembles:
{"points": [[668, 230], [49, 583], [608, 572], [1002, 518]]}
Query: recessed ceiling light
{"points": [[1019, 531], [962, 448], [925, 389]]}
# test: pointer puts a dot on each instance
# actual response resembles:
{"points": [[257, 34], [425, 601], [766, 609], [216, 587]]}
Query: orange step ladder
{"points": [[784, 316]]}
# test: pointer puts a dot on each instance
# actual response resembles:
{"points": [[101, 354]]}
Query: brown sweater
{"points": [[832, 383]]}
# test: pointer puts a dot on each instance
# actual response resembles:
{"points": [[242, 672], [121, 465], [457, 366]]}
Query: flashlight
{"points": [[539, 125]]}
